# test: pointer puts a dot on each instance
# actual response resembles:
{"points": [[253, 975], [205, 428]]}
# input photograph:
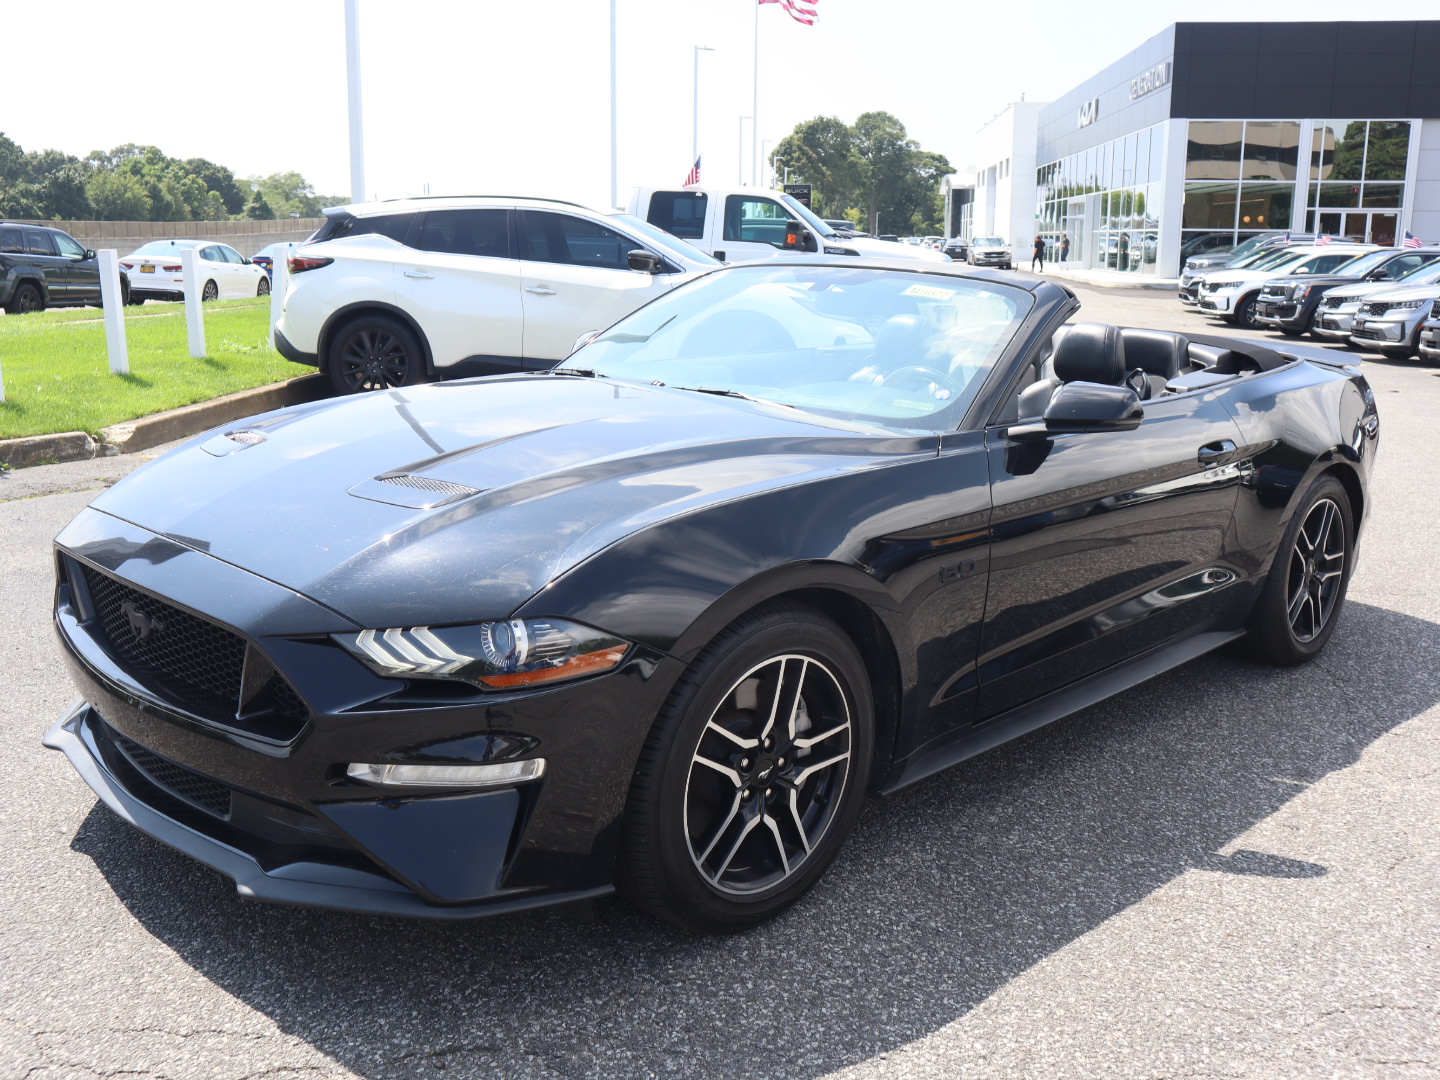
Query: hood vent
{"points": [[407, 489]]}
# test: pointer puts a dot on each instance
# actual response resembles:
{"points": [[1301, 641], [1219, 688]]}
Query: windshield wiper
{"points": [[584, 373], [726, 392]]}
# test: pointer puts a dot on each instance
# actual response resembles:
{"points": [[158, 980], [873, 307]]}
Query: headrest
{"points": [[900, 337], [1156, 352], [1090, 352], [1208, 356]]}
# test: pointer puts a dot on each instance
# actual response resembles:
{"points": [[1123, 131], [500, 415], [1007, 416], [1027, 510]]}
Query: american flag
{"points": [[1412, 241], [802, 11], [1323, 239], [693, 176]]}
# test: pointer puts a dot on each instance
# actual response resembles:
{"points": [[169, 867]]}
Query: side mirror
{"points": [[796, 236], [248, 262], [1087, 407], [647, 262], [90, 254], [583, 340], [1378, 275], [718, 256]]}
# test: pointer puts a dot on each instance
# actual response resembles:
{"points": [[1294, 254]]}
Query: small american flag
{"points": [[1412, 241], [802, 11], [1323, 239], [693, 176]]}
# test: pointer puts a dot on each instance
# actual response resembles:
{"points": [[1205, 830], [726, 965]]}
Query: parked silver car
{"points": [[1390, 323], [1430, 335], [1335, 317]]}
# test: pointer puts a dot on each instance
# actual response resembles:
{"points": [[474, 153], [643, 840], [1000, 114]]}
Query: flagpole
{"points": [[755, 107], [695, 126], [352, 89], [614, 139]]}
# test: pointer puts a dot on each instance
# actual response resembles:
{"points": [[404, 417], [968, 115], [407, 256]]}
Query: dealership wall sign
{"points": [[1089, 110], [1150, 81]]}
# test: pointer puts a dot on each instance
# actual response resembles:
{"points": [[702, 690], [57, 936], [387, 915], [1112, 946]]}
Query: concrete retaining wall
{"points": [[246, 237]]}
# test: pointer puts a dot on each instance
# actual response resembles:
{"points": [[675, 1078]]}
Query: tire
{"points": [[1291, 332], [263, 288], [374, 352], [211, 291], [27, 298], [724, 829], [1244, 315], [1304, 591]]}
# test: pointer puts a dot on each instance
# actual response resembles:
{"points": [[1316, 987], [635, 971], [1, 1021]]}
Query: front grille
{"points": [[1435, 309], [1363, 333], [174, 779], [1378, 308], [1333, 301], [190, 661]]}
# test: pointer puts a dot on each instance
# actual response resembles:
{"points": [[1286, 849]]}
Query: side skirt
{"points": [[1062, 703]]}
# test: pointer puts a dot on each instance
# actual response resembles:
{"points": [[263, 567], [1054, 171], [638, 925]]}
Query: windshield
{"points": [[1270, 260], [881, 346], [1253, 243], [1429, 274], [990, 241], [164, 247], [1364, 264], [801, 211], [668, 243]]}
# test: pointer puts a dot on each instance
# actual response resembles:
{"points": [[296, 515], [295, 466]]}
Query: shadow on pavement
{"points": [[946, 891]]}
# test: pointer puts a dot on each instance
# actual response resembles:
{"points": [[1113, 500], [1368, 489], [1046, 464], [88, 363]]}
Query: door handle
{"points": [[420, 274], [540, 290], [1216, 452]]}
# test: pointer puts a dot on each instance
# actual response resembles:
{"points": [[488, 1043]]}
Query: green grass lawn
{"points": [[57, 371]]}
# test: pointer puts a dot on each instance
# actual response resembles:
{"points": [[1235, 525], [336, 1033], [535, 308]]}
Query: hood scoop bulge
{"points": [[410, 490]]}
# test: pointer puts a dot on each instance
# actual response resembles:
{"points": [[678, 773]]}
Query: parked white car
{"points": [[155, 273], [394, 293], [1231, 293]]}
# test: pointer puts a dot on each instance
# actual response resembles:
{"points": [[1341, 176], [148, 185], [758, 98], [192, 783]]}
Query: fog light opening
{"points": [[458, 776]]}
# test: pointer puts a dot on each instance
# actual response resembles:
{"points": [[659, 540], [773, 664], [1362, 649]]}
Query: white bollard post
{"points": [[2, 384], [113, 302], [279, 282], [194, 318]]}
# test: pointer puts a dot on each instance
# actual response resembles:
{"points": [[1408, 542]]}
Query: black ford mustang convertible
{"points": [[661, 617]]}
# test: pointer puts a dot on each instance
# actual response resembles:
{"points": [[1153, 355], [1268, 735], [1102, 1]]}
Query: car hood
{"points": [[887, 250], [1401, 293], [561, 467]]}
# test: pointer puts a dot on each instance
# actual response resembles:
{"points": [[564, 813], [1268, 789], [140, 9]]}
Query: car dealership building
{"points": [[1212, 132]]}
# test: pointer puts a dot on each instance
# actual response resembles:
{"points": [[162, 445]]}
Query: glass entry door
{"points": [[1364, 227]]}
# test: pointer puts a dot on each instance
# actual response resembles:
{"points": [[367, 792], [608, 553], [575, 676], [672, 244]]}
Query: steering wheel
{"points": [[930, 374]]}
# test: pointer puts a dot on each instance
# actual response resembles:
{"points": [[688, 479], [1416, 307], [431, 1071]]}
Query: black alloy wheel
{"points": [[375, 353], [27, 298], [1303, 594], [752, 775], [1245, 314], [263, 289], [210, 292]]}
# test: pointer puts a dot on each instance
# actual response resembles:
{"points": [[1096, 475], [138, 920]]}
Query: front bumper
{"points": [[1282, 314], [992, 260], [1383, 333], [1217, 303], [1430, 340], [275, 811], [1335, 323]]}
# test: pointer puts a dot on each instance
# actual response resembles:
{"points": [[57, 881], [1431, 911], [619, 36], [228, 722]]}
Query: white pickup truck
{"points": [[741, 224]]}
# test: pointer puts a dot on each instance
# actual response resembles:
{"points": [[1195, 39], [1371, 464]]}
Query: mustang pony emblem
{"points": [[141, 625]]}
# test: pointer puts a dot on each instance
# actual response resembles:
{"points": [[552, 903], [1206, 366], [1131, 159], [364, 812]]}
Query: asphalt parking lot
{"points": [[1230, 871]]}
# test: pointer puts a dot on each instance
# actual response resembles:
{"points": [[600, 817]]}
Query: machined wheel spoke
{"points": [[744, 744], [810, 770], [730, 855], [779, 840], [794, 794], [811, 740], [724, 770], [722, 830], [1301, 595]]}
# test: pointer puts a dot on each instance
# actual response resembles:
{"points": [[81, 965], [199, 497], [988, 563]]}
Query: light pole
{"points": [[352, 87], [695, 127], [614, 137], [740, 150]]}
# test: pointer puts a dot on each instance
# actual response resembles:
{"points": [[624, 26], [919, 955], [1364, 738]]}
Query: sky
{"points": [[512, 97]]}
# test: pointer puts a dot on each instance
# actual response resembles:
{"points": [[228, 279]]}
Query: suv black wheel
{"points": [[1245, 314], [26, 299], [1303, 594], [374, 353], [753, 774]]}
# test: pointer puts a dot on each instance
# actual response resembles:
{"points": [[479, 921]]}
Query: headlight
{"points": [[1220, 286], [1299, 292], [504, 655], [1408, 305]]}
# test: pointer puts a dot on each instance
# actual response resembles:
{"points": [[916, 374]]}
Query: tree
{"points": [[868, 170], [257, 209], [118, 197], [220, 180]]}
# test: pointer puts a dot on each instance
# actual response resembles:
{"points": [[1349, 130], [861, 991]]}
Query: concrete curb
{"points": [[162, 427]]}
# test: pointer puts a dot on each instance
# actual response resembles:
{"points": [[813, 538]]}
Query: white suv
{"points": [[394, 293], [1231, 292]]}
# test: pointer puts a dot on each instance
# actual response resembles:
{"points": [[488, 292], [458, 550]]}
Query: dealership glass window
{"points": [[1209, 206], [1272, 150], [1338, 150], [1213, 152], [1382, 195], [1266, 206], [1387, 147]]}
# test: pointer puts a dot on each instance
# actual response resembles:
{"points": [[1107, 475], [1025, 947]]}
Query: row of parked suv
{"points": [[1379, 299]]}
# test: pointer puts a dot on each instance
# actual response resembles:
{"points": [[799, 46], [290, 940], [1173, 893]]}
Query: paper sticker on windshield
{"points": [[929, 292]]}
